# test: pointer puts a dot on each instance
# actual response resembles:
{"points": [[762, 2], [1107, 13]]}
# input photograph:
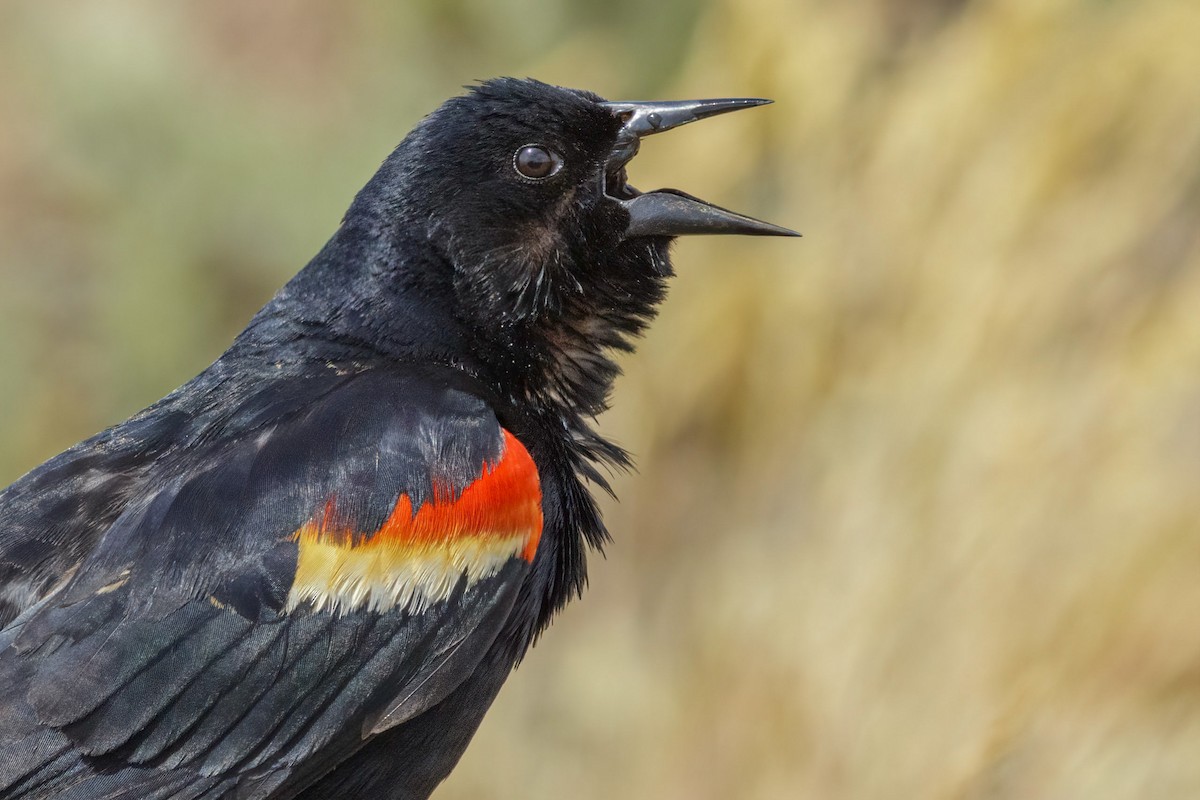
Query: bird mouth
{"points": [[616, 184], [670, 212]]}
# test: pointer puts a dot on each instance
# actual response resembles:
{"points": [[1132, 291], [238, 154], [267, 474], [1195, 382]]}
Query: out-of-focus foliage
{"points": [[918, 512]]}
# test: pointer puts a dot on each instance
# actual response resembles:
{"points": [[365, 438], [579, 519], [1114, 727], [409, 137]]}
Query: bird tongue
{"points": [[669, 212]]}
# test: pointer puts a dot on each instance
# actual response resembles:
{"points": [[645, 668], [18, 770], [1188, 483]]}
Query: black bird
{"points": [[306, 572]]}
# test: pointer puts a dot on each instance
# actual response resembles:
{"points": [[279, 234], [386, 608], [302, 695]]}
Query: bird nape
{"points": [[307, 572]]}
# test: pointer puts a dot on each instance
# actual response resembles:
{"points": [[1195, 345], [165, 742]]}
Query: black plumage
{"points": [[153, 643]]}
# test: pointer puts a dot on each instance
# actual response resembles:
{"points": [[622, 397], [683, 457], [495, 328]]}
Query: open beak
{"points": [[668, 212]]}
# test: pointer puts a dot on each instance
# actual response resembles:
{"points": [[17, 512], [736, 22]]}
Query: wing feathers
{"points": [[131, 707], [207, 708], [201, 649], [72, 682]]}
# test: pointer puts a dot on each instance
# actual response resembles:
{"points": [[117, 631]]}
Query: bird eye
{"points": [[536, 162]]}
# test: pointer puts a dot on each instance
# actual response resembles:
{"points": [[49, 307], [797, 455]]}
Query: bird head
{"points": [[520, 188]]}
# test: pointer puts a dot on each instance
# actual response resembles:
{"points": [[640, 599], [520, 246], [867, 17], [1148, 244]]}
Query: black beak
{"points": [[668, 212]]}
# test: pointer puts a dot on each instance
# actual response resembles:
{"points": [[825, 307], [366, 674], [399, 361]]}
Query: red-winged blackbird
{"points": [[307, 571]]}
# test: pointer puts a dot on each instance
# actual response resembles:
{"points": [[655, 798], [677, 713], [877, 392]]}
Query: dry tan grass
{"points": [[917, 511]]}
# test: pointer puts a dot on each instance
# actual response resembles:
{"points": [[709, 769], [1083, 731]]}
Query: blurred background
{"points": [[918, 510]]}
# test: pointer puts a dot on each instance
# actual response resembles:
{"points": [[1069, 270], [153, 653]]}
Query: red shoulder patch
{"points": [[505, 501], [418, 557]]}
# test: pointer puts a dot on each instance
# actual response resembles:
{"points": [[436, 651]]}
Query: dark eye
{"points": [[536, 162]]}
